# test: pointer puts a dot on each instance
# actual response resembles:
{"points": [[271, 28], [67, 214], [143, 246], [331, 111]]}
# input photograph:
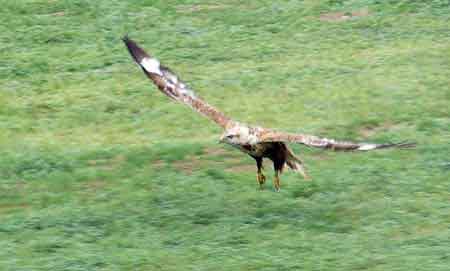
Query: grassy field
{"points": [[100, 171]]}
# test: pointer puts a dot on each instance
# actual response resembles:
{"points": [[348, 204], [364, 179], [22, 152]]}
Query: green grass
{"points": [[100, 171]]}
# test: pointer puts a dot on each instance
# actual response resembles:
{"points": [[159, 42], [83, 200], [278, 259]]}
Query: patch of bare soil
{"points": [[188, 165], [8, 207], [193, 163], [343, 16], [242, 168], [215, 151], [158, 164]]}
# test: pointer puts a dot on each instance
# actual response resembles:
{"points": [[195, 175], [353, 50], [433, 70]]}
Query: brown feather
{"points": [[325, 143], [257, 142], [170, 84]]}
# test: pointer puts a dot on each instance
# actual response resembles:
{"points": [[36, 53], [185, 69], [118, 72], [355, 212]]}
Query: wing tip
{"points": [[136, 52], [399, 145], [125, 37]]}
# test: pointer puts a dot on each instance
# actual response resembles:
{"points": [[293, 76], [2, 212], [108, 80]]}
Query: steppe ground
{"points": [[100, 171]]}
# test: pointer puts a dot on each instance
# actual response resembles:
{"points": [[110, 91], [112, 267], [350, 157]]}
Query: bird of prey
{"points": [[258, 142]]}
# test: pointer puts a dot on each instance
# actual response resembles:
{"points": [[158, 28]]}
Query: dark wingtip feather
{"points": [[136, 52], [400, 145]]}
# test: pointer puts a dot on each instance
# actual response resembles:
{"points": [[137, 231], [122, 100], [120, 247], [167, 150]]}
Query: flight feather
{"points": [[171, 85], [266, 135]]}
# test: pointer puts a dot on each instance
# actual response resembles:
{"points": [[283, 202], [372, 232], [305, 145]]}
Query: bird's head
{"points": [[237, 135]]}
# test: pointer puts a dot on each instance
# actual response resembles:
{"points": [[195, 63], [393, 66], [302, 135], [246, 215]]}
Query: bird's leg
{"points": [[276, 180], [259, 175], [261, 178]]}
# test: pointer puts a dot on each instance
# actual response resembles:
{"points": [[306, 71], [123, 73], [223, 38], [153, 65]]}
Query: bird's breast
{"points": [[256, 150]]}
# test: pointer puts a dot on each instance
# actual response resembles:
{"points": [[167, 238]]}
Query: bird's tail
{"points": [[296, 164]]}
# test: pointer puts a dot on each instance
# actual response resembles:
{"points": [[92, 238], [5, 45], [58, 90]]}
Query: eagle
{"points": [[257, 142]]}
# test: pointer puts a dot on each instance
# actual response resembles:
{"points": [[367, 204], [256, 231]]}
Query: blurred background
{"points": [[100, 171]]}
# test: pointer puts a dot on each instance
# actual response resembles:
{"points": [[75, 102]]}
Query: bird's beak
{"points": [[221, 139]]}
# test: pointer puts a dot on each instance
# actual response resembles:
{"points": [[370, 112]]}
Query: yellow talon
{"points": [[276, 182], [261, 179]]}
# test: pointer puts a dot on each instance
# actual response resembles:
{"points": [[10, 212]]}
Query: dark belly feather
{"points": [[275, 151]]}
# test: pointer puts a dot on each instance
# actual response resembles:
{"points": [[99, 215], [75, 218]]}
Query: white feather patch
{"points": [[367, 147], [151, 65], [173, 78]]}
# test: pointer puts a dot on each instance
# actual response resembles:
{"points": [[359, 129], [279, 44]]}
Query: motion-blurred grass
{"points": [[99, 171]]}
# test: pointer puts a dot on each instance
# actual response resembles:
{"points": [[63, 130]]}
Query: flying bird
{"points": [[258, 142]]}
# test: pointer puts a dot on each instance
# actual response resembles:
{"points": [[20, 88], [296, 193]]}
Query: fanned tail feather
{"points": [[296, 164]]}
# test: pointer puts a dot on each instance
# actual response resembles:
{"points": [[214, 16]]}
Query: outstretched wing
{"points": [[326, 143], [171, 85]]}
